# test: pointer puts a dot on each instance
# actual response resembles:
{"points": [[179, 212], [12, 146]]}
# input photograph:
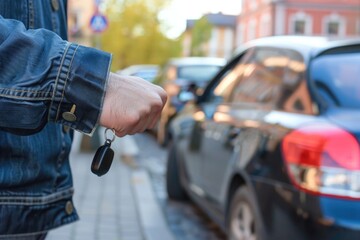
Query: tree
{"points": [[201, 34], [134, 35]]}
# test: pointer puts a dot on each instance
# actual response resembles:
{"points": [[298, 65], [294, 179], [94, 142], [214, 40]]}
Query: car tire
{"points": [[242, 220], [174, 188]]}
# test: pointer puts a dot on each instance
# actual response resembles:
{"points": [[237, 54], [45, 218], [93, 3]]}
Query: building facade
{"points": [[222, 41], [79, 15], [334, 18]]}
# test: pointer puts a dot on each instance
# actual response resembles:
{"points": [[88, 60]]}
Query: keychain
{"points": [[103, 156]]}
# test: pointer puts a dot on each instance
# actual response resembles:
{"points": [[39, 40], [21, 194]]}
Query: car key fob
{"points": [[103, 158]]}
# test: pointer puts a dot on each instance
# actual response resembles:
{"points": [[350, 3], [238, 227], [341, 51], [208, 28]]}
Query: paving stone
{"points": [[101, 203]]}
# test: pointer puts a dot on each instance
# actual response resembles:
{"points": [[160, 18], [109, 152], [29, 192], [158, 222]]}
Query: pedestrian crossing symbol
{"points": [[98, 23]]}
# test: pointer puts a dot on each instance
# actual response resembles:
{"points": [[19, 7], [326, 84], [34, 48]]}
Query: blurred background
{"points": [[152, 31], [239, 169]]}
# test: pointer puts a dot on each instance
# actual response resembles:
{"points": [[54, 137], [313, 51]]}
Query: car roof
{"points": [[306, 45], [197, 61]]}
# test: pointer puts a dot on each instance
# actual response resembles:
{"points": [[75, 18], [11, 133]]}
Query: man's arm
{"points": [[44, 78]]}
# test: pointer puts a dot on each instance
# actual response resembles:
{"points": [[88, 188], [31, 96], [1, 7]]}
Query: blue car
{"points": [[271, 149]]}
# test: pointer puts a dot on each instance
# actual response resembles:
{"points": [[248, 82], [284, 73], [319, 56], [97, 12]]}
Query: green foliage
{"points": [[134, 35], [201, 34]]}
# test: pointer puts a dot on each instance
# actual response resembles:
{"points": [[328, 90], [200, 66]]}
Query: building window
{"points": [[240, 34], [253, 5], [333, 28], [301, 24], [334, 25], [299, 27], [214, 43], [265, 25], [251, 31], [228, 42]]}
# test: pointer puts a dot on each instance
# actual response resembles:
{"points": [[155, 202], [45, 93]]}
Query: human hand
{"points": [[131, 105]]}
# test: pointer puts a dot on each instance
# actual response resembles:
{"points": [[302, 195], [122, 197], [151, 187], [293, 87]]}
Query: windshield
{"points": [[198, 73], [337, 79]]}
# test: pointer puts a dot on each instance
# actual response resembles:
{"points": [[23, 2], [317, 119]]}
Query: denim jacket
{"points": [[46, 83]]}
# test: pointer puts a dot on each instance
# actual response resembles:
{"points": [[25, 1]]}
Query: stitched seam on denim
{"points": [[16, 94], [14, 236], [104, 92], [62, 79], [31, 14], [66, 220], [66, 80], [26, 98], [60, 158], [53, 21], [57, 79], [7, 200], [18, 90]]}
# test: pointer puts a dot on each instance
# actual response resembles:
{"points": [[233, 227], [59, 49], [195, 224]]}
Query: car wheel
{"points": [[173, 183], [242, 221]]}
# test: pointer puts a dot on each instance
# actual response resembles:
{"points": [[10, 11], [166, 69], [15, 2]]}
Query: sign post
{"points": [[98, 23]]}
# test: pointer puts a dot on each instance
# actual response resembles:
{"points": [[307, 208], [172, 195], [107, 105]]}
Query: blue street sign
{"points": [[98, 22], [97, 2]]}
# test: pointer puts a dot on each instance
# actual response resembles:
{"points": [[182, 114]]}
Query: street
{"points": [[131, 203], [185, 220]]}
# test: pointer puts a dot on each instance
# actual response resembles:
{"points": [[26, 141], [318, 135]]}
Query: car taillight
{"points": [[323, 159]]}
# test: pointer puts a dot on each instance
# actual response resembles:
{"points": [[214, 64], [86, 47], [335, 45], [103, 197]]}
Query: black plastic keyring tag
{"points": [[103, 157]]}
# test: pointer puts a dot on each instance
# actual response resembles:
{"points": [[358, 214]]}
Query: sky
{"points": [[179, 11]]}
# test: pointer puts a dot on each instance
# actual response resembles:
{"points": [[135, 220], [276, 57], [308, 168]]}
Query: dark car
{"points": [[179, 77], [271, 149]]}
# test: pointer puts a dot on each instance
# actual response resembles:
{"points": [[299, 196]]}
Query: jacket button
{"points": [[69, 116], [69, 208], [55, 4]]}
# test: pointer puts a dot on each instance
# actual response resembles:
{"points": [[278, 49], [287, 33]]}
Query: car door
{"points": [[193, 147], [235, 129], [206, 133]]}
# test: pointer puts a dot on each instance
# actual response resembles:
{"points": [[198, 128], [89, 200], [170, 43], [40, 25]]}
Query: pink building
{"points": [[260, 18], [79, 15]]}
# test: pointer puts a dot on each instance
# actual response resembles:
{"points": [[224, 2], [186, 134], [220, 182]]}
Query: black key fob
{"points": [[103, 159]]}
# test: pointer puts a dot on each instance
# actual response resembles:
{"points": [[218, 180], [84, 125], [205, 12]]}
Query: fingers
{"points": [[131, 105], [146, 120]]}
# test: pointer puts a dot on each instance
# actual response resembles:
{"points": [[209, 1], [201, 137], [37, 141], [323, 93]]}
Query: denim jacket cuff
{"points": [[80, 88]]}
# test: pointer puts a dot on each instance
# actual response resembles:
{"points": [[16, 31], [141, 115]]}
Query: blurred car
{"points": [[180, 76], [271, 149], [145, 71]]}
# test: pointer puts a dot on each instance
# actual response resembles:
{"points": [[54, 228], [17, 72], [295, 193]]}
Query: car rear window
{"points": [[337, 79], [198, 73]]}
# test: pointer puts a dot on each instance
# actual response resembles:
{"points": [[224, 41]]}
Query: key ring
{"points": [[108, 140]]}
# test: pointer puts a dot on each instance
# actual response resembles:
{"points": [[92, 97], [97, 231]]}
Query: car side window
{"points": [[295, 96], [223, 89], [276, 78], [262, 78]]}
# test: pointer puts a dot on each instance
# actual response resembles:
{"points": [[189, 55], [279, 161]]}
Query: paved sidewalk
{"points": [[109, 206], [105, 204]]}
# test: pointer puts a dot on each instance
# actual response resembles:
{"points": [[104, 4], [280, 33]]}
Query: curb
{"points": [[151, 217]]}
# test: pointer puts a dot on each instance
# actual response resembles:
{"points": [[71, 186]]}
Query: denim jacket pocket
{"points": [[23, 117]]}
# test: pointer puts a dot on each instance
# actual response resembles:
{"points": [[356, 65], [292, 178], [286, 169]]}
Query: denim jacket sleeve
{"points": [[44, 78]]}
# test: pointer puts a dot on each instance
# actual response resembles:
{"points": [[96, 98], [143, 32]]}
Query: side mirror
{"points": [[186, 96]]}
